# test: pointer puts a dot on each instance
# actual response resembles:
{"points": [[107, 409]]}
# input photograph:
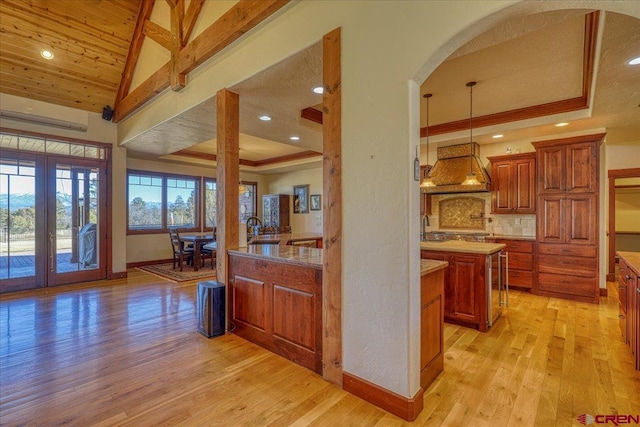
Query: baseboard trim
{"points": [[117, 275], [405, 408], [143, 263], [604, 292]]}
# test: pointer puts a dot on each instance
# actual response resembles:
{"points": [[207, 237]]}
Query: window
{"points": [[157, 201], [248, 201]]}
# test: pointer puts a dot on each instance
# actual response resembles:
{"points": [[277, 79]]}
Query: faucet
{"points": [[253, 220], [424, 224]]}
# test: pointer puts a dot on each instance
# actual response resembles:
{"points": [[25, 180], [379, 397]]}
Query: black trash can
{"points": [[211, 309]]}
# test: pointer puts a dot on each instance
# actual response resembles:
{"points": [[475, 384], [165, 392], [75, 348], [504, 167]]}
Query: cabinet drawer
{"points": [[622, 296], [568, 265], [567, 284], [571, 250], [623, 324], [523, 279], [519, 261], [517, 245]]}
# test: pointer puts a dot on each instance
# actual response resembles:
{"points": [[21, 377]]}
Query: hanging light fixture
{"points": [[427, 181], [471, 177]]}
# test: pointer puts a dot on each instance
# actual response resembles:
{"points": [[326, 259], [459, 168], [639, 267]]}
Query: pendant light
{"points": [[471, 177], [427, 181]]}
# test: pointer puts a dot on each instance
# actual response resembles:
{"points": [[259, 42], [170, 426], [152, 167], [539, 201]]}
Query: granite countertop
{"points": [[429, 266], [462, 247], [296, 255], [284, 238], [511, 237], [632, 258]]}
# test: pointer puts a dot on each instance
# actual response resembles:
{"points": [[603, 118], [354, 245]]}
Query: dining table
{"points": [[198, 240]]}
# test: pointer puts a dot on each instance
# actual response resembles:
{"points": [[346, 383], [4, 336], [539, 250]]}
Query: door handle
{"points": [[51, 251]]}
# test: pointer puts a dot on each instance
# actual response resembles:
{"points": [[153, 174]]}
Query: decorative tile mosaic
{"points": [[457, 213]]}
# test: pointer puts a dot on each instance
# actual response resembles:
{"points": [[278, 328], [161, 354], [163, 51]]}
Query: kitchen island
{"points": [[275, 299], [472, 281]]}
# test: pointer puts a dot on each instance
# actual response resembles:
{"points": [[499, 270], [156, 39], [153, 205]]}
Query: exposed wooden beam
{"points": [[178, 80], [189, 22], [556, 107], [312, 114], [332, 207], [241, 18], [172, 3], [146, 6], [227, 179], [158, 34]]}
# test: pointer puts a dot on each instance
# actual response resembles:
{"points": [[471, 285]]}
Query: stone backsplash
{"points": [[455, 214]]}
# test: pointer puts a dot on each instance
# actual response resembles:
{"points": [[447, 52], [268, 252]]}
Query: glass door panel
{"points": [[75, 247], [20, 223]]}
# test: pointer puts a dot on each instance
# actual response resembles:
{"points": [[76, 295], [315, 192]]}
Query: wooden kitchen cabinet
{"points": [[513, 184], [521, 261], [465, 291], [275, 210], [567, 218], [431, 326], [629, 293], [278, 305]]}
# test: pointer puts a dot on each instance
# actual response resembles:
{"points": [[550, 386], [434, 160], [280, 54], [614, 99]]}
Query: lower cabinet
{"points": [[431, 327], [568, 271], [279, 307], [520, 261], [465, 295], [629, 293]]}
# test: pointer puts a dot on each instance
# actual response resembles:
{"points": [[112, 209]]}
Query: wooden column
{"points": [[332, 207], [227, 178]]}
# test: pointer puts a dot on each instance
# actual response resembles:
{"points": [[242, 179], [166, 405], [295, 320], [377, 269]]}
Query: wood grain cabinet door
{"points": [[551, 169], [581, 216], [551, 219], [524, 185], [581, 168]]}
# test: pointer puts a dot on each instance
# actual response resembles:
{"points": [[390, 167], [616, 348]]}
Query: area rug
{"points": [[166, 271]]}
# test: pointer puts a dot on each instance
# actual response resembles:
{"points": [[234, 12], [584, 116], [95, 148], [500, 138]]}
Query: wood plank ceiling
{"points": [[89, 40]]}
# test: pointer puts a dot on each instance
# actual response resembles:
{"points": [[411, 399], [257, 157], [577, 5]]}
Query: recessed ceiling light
{"points": [[294, 138], [559, 125], [265, 118], [46, 54], [634, 61], [498, 135], [318, 89]]}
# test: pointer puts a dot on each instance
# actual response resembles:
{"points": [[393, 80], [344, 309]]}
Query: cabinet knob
{"points": [[638, 290], [627, 277], [621, 316], [621, 287]]}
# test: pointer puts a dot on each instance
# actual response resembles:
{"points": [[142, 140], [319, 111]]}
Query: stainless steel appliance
{"points": [[497, 270]]}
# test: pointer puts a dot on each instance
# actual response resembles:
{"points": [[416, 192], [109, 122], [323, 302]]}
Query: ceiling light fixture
{"points": [[559, 125], [471, 177], [634, 61], [498, 135], [427, 181], [294, 138], [46, 54], [318, 89], [265, 118]]}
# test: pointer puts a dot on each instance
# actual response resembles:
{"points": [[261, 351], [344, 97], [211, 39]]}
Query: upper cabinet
{"points": [[513, 184], [569, 168]]}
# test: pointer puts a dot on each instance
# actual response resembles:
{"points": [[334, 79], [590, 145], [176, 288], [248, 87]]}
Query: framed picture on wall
{"points": [[301, 198], [316, 205]]}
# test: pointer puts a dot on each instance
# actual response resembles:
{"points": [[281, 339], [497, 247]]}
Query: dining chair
{"points": [[208, 253], [180, 253]]}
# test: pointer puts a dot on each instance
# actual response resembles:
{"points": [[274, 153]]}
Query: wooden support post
{"points": [[227, 178], [178, 80], [332, 207]]}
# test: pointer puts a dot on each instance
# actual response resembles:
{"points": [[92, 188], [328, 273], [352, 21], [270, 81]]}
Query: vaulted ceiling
{"points": [[522, 66], [90, 42]]}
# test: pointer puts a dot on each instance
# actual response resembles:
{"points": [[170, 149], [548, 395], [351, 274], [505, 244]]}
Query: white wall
{"points": [[388, 48], [283, 184]]}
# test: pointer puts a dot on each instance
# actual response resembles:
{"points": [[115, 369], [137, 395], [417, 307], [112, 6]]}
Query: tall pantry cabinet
{"points": [[567, 219]]}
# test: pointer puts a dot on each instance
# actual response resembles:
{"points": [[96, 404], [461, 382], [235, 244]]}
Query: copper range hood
{"points": [[452, 167]]}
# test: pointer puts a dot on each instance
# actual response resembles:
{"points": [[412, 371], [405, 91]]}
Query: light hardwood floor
{"points": [[126, 352]]}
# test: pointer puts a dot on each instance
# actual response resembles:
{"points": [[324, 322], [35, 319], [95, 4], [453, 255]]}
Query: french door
{"points": [[52, 220]]}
